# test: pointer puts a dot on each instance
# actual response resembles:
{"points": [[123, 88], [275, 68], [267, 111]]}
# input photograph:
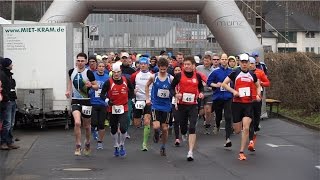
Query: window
{"points": [[312, 49], [282, 50], [292, 37], [310, 34], [152, 43], [94, 37], [307, 49]]}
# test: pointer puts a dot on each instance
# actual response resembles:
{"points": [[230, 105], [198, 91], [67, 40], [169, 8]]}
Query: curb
{"points": [[286, 118]]}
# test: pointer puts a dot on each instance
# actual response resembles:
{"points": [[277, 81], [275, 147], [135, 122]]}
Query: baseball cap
{"points": [[244, 57], [252, 60], [104, 57], [231, 57], [197, 59], [116, 67], [255, 54], [124, 54], [144, 60]]}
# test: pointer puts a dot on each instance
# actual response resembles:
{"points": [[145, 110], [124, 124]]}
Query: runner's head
{"points": [[252, 63], [163, 65], [100, 67], [244, 62], [189, 64], [116, 71], [177, 70], [144, 63], [224, 60], [81, 60]]}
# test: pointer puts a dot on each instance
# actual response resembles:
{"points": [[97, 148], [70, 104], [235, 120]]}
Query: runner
{"points": [[206, 103], [160, 100], [98, 105], [244, 82], [139, 80], [190, 88], [221, 98], [256, 105], [116, 91], [79, 84]]}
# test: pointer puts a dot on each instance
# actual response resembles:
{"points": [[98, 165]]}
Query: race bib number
{"points": [[117, 109], [97, 93], [223, 89], [188, 97], [244, 91], [140, 104], [86, 110], [163, 93]]}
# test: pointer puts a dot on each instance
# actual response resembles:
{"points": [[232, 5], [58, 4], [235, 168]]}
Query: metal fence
{"points": [[149, 33]]}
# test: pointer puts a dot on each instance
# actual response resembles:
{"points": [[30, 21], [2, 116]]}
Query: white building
{"points": [[303, 31]]}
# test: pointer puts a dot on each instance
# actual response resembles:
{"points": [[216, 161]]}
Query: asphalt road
{"points": [[285, 151]]}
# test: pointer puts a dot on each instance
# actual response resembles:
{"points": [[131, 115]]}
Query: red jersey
{"points": [[118, 94], [188, 87], [244, 83], [264, 81]]}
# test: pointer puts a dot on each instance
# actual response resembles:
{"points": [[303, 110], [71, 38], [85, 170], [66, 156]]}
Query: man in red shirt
{"points": [[117, 91], [189, 89], [243, 95], [256, 105]]}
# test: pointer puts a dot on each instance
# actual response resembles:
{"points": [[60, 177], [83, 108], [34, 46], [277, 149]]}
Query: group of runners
{"points": [[161, 92]]}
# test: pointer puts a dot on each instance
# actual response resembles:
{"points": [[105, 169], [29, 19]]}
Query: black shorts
{"points": [[84, 106], [161, 116], [241, 110], [137, 113], [207, 100]]}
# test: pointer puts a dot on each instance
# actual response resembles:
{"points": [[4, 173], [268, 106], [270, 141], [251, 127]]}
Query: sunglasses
{"points": [[215, 59]]}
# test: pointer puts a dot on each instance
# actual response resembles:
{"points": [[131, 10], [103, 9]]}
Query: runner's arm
{"points": [[150, 81]]}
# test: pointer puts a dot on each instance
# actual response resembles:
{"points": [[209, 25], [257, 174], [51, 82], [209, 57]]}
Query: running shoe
{"points": [[116, 152], [190, 156], [163, 152], [228, 143], [216, 130], [87, 149], [177, 142], [77, 152], [251, 146], [184, 138], [99, 146], [207, 131], [122, 151], [144, 147], [242, 157], [128, 136]]}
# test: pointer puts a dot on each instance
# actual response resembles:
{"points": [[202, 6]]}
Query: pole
{"points": [[12, 11]]}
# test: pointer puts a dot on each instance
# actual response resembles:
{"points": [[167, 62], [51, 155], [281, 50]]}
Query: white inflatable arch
{"points": [[223, 17]]}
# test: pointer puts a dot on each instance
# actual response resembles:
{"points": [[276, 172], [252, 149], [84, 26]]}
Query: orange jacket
{"points": [[264, 81]]}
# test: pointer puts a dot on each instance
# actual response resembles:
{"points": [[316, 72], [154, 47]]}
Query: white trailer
{"points": [[41, 55]]}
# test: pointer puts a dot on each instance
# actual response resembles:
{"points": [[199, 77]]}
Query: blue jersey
{"points": [[160, 94], [95, 95]]}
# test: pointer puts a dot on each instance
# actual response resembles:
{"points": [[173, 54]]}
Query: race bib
{"points": [[86, 110], [97, 93], [117, 109], [140, 104], [174, 101], [163, 93], [244, 91], [188, 97], [223, 89]]}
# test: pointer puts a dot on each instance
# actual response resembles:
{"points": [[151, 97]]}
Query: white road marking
{"points": [[318, 167], [77, 169], [282, 145]]}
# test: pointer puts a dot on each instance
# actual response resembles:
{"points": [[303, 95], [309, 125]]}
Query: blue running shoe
{"points": [[122, 151], [116, 152]]}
